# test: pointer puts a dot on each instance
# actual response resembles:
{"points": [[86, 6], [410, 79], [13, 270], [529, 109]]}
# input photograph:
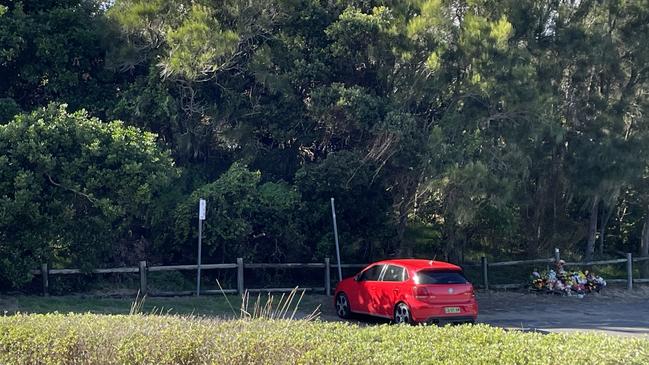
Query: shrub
{"points": [[245, 218], [141, 339], [72, 188]]}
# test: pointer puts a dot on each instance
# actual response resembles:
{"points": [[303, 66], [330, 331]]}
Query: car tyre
{"points": [[402, 314], [342, 306]]}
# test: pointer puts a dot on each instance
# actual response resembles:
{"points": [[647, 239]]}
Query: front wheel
{"points": [[342, 306], [402, 314]]}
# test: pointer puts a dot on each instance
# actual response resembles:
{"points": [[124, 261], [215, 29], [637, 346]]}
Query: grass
{"points": [[203, 306], [145, 339]]}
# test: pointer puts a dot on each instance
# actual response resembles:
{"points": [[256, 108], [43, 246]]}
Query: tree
{"points": [[74, 188], [244, 218], [504, 128], [55, 51], [363, 208]]}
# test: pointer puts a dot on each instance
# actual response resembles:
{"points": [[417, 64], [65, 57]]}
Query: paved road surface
{"points": [[616, 311]]}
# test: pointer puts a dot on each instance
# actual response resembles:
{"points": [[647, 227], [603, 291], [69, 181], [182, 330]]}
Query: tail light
{"points": [[421, 292]]}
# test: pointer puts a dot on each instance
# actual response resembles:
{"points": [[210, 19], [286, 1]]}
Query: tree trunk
{"points": [[602, 232], [592, 229], [603, 223], [405, 248], [644, 247], [449, 246], [409, 186], [533, 244]]}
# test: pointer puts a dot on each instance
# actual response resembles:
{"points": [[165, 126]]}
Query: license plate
{"points": [[451, 310]]}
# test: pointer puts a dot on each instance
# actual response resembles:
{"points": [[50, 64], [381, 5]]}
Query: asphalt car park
{"points": [[614, 311]]}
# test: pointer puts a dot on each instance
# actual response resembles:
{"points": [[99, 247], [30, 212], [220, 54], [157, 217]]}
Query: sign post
{"points": [[333, 214], [201, 217]]}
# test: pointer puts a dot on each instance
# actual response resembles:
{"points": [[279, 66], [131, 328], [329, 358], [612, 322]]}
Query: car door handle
{"points": [[395, 291]]}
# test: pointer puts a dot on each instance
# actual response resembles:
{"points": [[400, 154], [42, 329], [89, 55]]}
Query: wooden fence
{"points": [[629, 260], [326, 265], [143, 269]]}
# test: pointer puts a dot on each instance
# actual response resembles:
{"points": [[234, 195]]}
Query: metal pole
{"points": [[202, 207], [557, 256], [333, 214], [198, 271]]}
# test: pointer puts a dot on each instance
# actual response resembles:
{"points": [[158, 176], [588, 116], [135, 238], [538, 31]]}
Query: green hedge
{"points": [[140, 339]]}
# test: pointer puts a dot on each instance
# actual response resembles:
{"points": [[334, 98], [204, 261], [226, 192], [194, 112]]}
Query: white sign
{"points": [[201, 209]]}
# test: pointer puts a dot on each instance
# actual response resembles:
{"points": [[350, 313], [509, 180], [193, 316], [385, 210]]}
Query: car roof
{"points": [[418, 264]]}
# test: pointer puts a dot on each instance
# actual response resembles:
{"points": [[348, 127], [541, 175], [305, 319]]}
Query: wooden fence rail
{"points": [[629, 260], [143, 269], [513, 263]]}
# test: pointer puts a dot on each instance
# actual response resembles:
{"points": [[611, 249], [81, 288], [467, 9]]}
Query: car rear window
{"points": [[440, 277]]}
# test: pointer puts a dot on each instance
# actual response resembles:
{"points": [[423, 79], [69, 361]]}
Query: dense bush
{"points": [[74, 189], [244, 218], [96, 339]]}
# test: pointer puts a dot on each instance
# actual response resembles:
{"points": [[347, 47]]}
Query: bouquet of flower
{"points": [[593, 282], [538, 283], [566, 283]]}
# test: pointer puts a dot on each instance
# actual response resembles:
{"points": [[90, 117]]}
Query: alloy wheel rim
{"points": [[341, 305], [401, 315]]}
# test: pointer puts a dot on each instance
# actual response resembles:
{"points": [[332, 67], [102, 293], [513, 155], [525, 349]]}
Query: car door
{"points": [[366, 289], [389, 289]]}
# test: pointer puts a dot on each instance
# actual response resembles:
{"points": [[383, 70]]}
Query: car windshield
{"points": [[440, 277]]}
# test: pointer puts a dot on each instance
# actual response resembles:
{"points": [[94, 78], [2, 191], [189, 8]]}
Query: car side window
{"points": [[371, 274], [394, 273]]}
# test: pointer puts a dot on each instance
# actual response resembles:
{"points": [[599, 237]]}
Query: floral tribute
{"points": [[560, 281]]}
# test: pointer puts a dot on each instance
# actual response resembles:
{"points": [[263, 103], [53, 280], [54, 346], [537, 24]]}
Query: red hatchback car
{"points": [[409, 291]]}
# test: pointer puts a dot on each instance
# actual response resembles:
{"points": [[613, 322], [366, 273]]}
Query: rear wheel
{"points": [[402, 314], [342, 306]]}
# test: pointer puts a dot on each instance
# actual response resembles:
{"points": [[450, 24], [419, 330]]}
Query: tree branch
{"points": [[91, 199]]}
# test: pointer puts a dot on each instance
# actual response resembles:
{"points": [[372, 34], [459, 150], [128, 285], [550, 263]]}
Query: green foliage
{"points": [[362, 207], [343, 113], [8, 108], [137, 339], [505, 128], [244, 218], [54, 51], [70, 186], [198, 45]]}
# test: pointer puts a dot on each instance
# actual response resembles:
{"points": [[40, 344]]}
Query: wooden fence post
{"points": [[327, 277], [240, 275], [557, 255], [629, 271], [143, 284], [46, 280], [485, 274]]}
